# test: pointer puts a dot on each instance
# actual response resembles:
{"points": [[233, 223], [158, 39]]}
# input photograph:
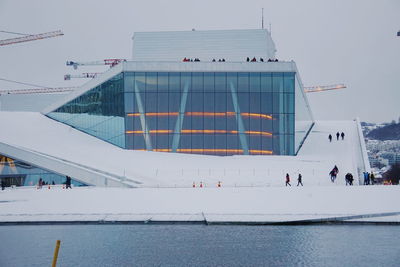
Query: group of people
{"points": [[261, 59], [369, 178], [41, 183], [219, 60], [190, 60], [337, 136], [348, 177], [299, 180]]}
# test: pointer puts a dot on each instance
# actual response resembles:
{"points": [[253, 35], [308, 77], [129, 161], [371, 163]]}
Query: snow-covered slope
{"points": [[36, 139]]}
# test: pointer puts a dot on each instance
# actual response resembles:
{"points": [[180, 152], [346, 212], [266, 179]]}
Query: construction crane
{"points": [[110, 62], [31, 37], [315, 89], [68, 77], [38, 90]]}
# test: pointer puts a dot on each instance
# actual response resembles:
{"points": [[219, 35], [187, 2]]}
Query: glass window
{"points": [[277, 82], [174, 101], [186, 81], [243, 82], [220, 82], [220, 102], [288, 81], [129, 81], [197, 102], [162, 81], [255, 82], [209, 83], [266, 82], [162, 102], [197, 142], [151, 81], [243, 99], [209, 102], [151, 102], [197, 122], [140, 81], [174, 82], [220, 143], [197, 81]]}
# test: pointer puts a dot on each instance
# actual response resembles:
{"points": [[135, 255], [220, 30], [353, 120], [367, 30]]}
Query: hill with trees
{"points": [[388, 132]]}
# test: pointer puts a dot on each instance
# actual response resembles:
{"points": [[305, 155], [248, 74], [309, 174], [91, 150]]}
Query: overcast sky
{"points": [[341, 41]]}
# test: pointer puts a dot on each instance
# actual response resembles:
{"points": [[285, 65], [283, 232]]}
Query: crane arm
{"points": [[32, 37], [38, 90], [68, 77], [110, 62], [314, 89]]}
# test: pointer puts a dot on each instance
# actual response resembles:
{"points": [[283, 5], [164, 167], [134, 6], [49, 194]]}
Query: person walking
{"points": [[337, 135], [299, 180], [372, 178], [288, 180], [330, 138], [342, 135], [3, 184], [351, 179], [365, 178], [40, 183], [68, 183]]}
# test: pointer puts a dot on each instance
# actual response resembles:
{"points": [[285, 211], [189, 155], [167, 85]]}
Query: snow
{"points": [[53, 142], [211, 204]]}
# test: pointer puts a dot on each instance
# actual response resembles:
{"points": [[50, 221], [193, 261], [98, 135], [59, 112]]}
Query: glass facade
{"points": [[98, 112], [19, 173], [214, 113]]}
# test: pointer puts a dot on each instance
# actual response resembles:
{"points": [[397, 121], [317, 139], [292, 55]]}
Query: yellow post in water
{"points": [[56, 253]]}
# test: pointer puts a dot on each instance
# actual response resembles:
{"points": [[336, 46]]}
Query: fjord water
{"points": [[200, 245]]}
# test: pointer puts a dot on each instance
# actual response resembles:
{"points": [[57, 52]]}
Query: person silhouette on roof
{"points": [[337, 135], [330, 138], [342, 135]]}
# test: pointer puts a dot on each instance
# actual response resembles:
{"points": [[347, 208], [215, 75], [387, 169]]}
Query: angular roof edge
{"points": [[281, 66]]}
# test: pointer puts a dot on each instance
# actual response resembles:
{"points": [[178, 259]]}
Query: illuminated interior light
{"points": [[202, 114], [203, 131], [263, 152], [260, 133], [151, 132], [160, 131], [156, 114], [134, 132], [258, 115], [162, 150], [198, 150]]}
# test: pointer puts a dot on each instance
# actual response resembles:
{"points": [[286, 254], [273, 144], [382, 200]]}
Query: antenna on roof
{"points": [[262, 18]]}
